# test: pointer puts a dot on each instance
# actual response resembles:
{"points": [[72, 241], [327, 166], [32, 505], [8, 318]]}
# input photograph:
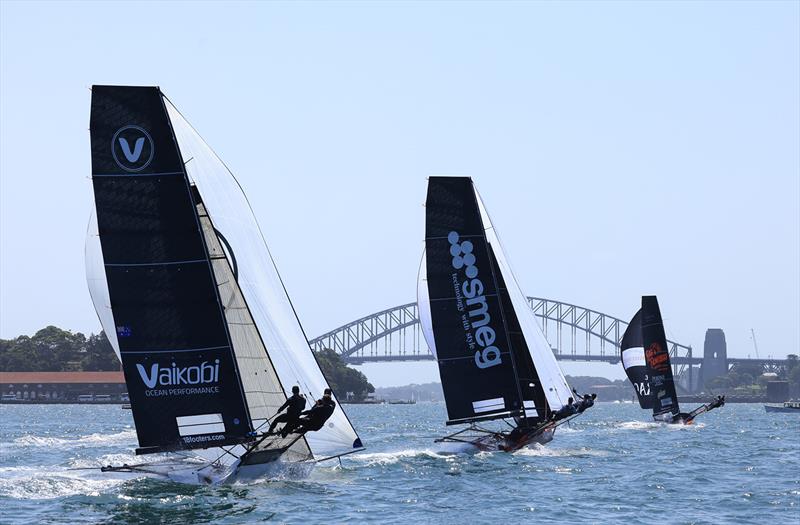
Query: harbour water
{"points": [[736, 465]]}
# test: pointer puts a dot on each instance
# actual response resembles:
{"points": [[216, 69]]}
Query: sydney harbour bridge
{"points": [[574, 332]]}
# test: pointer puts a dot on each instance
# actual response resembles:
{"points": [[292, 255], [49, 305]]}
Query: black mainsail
{"points": [[493, 360], [656, 354], [180, 369], [633, 361]]}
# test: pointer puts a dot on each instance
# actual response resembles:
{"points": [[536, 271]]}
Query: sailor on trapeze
{"points": [[572, 408], [584, 402], [317, 415], [294, 407], [312, 419], [564, 412]]}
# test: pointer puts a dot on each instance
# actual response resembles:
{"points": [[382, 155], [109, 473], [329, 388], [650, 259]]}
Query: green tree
{"points": [[341, 377], [99, 355], [51, 349]]}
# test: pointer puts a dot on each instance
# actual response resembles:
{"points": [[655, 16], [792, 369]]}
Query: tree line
{"points": [[52, 349], [744, 375]]}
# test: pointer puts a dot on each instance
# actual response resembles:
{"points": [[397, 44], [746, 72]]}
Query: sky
{"points": [[622, 149]]}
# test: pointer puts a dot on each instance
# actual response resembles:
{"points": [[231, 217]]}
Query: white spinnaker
{"points": [[260, 283], [424, 304], [555, 385], [96, 280]]}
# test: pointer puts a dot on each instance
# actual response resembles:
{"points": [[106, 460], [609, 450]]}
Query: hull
{"points": [[539, 438], [782, 410], [489, 441], [216, 467]]}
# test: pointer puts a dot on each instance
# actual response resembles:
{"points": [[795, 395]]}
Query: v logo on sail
{"points": [[149, 380], [132, 148], [134, 155]]}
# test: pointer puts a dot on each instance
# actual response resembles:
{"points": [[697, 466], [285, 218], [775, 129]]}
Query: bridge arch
{"points": [[574, 332]]}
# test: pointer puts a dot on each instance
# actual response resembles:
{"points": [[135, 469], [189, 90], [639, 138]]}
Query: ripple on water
{"points": [[738, 466]]}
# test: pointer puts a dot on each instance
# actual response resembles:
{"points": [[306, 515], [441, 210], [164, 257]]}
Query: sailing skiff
{"points": [[645, 358], [494, 361], [192, 303]]}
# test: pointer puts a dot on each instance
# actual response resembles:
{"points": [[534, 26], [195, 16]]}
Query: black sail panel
{"points": [[632, 354], [176, 353], [656, 352], [472, 347]]}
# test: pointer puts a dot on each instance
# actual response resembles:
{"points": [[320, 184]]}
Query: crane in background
{"points": [[755, 344]]}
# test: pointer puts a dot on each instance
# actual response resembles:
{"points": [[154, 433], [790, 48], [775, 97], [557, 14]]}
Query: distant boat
{"points": [[402, 402], [191, 301], [789, 407], [494, 361], [645, 358]]}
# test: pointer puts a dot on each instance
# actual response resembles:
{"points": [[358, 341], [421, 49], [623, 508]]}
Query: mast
{"points": [[656, 352]]}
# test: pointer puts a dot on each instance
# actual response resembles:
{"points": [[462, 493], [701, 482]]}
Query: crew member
{"points": [[565, 411], [317, 415], [720, 401], [294, 407], [586, 402]]}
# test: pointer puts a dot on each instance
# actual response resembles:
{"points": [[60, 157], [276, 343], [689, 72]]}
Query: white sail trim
{"points": [[633, 357], [260, 284], [424, 304], [96, 281], [488, 405], [555, 385]]}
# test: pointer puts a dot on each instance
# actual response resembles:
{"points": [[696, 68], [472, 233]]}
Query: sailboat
{"points": [[192, 303], [645, 358], [494, 361]]}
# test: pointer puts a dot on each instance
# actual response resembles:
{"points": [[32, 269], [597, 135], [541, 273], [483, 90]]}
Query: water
{"points": [[739, 465]]}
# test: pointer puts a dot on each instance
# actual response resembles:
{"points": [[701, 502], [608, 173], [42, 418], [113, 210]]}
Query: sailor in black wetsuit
{"points": [[586, 402], [294, 407], [720, 401], [565, 411], [317, 415]]}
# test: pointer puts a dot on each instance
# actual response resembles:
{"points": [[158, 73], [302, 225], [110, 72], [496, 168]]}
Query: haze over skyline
{"points": [[622, 149]]}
